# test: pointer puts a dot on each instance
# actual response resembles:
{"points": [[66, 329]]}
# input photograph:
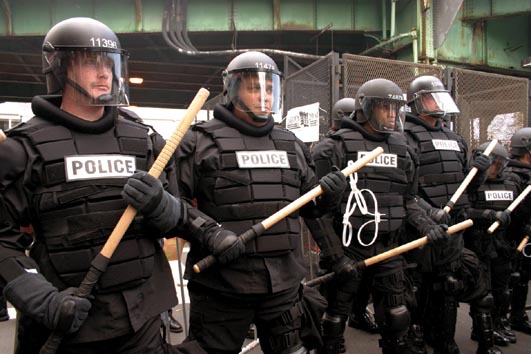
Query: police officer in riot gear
{"points": [[520, 163], [495, 251], [388, 185], [443, 270], [241, 168], [63, 172], [342, 108]]}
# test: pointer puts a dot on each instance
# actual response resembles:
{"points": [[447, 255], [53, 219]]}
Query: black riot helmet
{"points": [[76, 45], [253, 84], [521, 142], [427, 95], [381, 101], [499, 157], [342, 108]]}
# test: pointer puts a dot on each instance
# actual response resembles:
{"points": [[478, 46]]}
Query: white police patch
{"points": [[499, 195], [262, 159], [439, 144], [83, 167], [383, 160]]}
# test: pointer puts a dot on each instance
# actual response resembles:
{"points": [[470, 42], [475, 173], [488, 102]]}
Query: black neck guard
{"points": [[223, 114], [415, 119], [47, 107]]}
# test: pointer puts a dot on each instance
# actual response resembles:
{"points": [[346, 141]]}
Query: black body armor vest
{"points": [[239, 197], [441, 167], [388, 180], [494, 194], [76, 217]]}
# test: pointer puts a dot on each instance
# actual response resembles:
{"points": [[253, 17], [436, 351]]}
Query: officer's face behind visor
{"points": [[497, 166], [386, 115], [436, 104], [95, 78], [256, 92]]}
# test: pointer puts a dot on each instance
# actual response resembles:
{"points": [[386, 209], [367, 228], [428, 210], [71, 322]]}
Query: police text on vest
{"points": [[498, 195], [262, 159], [384, 160], [440, 144], [83, 167]]}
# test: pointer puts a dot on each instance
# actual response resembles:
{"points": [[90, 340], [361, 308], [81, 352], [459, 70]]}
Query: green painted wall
{"points": [[496, 33]]}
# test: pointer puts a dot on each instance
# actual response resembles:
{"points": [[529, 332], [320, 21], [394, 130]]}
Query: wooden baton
{"points": [[391, 253], [101, 261], [511, 207], [267, 223], [522, 244], [471, 174], [2, 136]]}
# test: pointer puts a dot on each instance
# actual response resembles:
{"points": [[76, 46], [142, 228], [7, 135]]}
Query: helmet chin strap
{"points": [[102, 99], [258, 118]]}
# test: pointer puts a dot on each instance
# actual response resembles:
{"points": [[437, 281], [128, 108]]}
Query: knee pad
{"points": [[333, 325], [397, 321], [484, 304]]}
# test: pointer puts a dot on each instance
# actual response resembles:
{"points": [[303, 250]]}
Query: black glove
{"points": [[147, 195], [33, 295], [437, 235], [503, 217], [223, 244], [439, 216], [344, 265], [481, 162], [333, 185]]}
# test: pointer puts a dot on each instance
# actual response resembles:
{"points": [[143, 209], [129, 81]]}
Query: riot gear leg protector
{"points": [[394, 330], [443, 326], [480, 311], [501, 322], [333, 327], [282, 335]]}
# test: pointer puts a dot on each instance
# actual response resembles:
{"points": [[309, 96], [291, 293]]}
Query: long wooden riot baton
{"points": [[522, 244], [471, 174], [390, 253], [257, 229], [2, 136], [511, 207], [101, 261]]}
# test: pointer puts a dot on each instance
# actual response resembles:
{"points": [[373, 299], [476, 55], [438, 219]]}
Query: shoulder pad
{"points": [[13, 160], [128, 114]]}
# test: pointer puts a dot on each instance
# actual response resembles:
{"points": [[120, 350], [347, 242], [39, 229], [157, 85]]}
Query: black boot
{"points": [[415, 340], [394, 346], [501, 325], [175, 326]]}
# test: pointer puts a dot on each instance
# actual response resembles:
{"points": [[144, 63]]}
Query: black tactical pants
{"points": [[220, 321]]}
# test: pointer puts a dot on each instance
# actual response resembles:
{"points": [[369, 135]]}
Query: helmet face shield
{"points": [[91, 77], [256, 92], [497, 166], [435, 104], [384, 115]]}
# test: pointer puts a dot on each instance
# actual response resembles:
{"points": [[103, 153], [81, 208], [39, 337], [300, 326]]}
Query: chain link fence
{"points": [[492, 106], [360, 69]]}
